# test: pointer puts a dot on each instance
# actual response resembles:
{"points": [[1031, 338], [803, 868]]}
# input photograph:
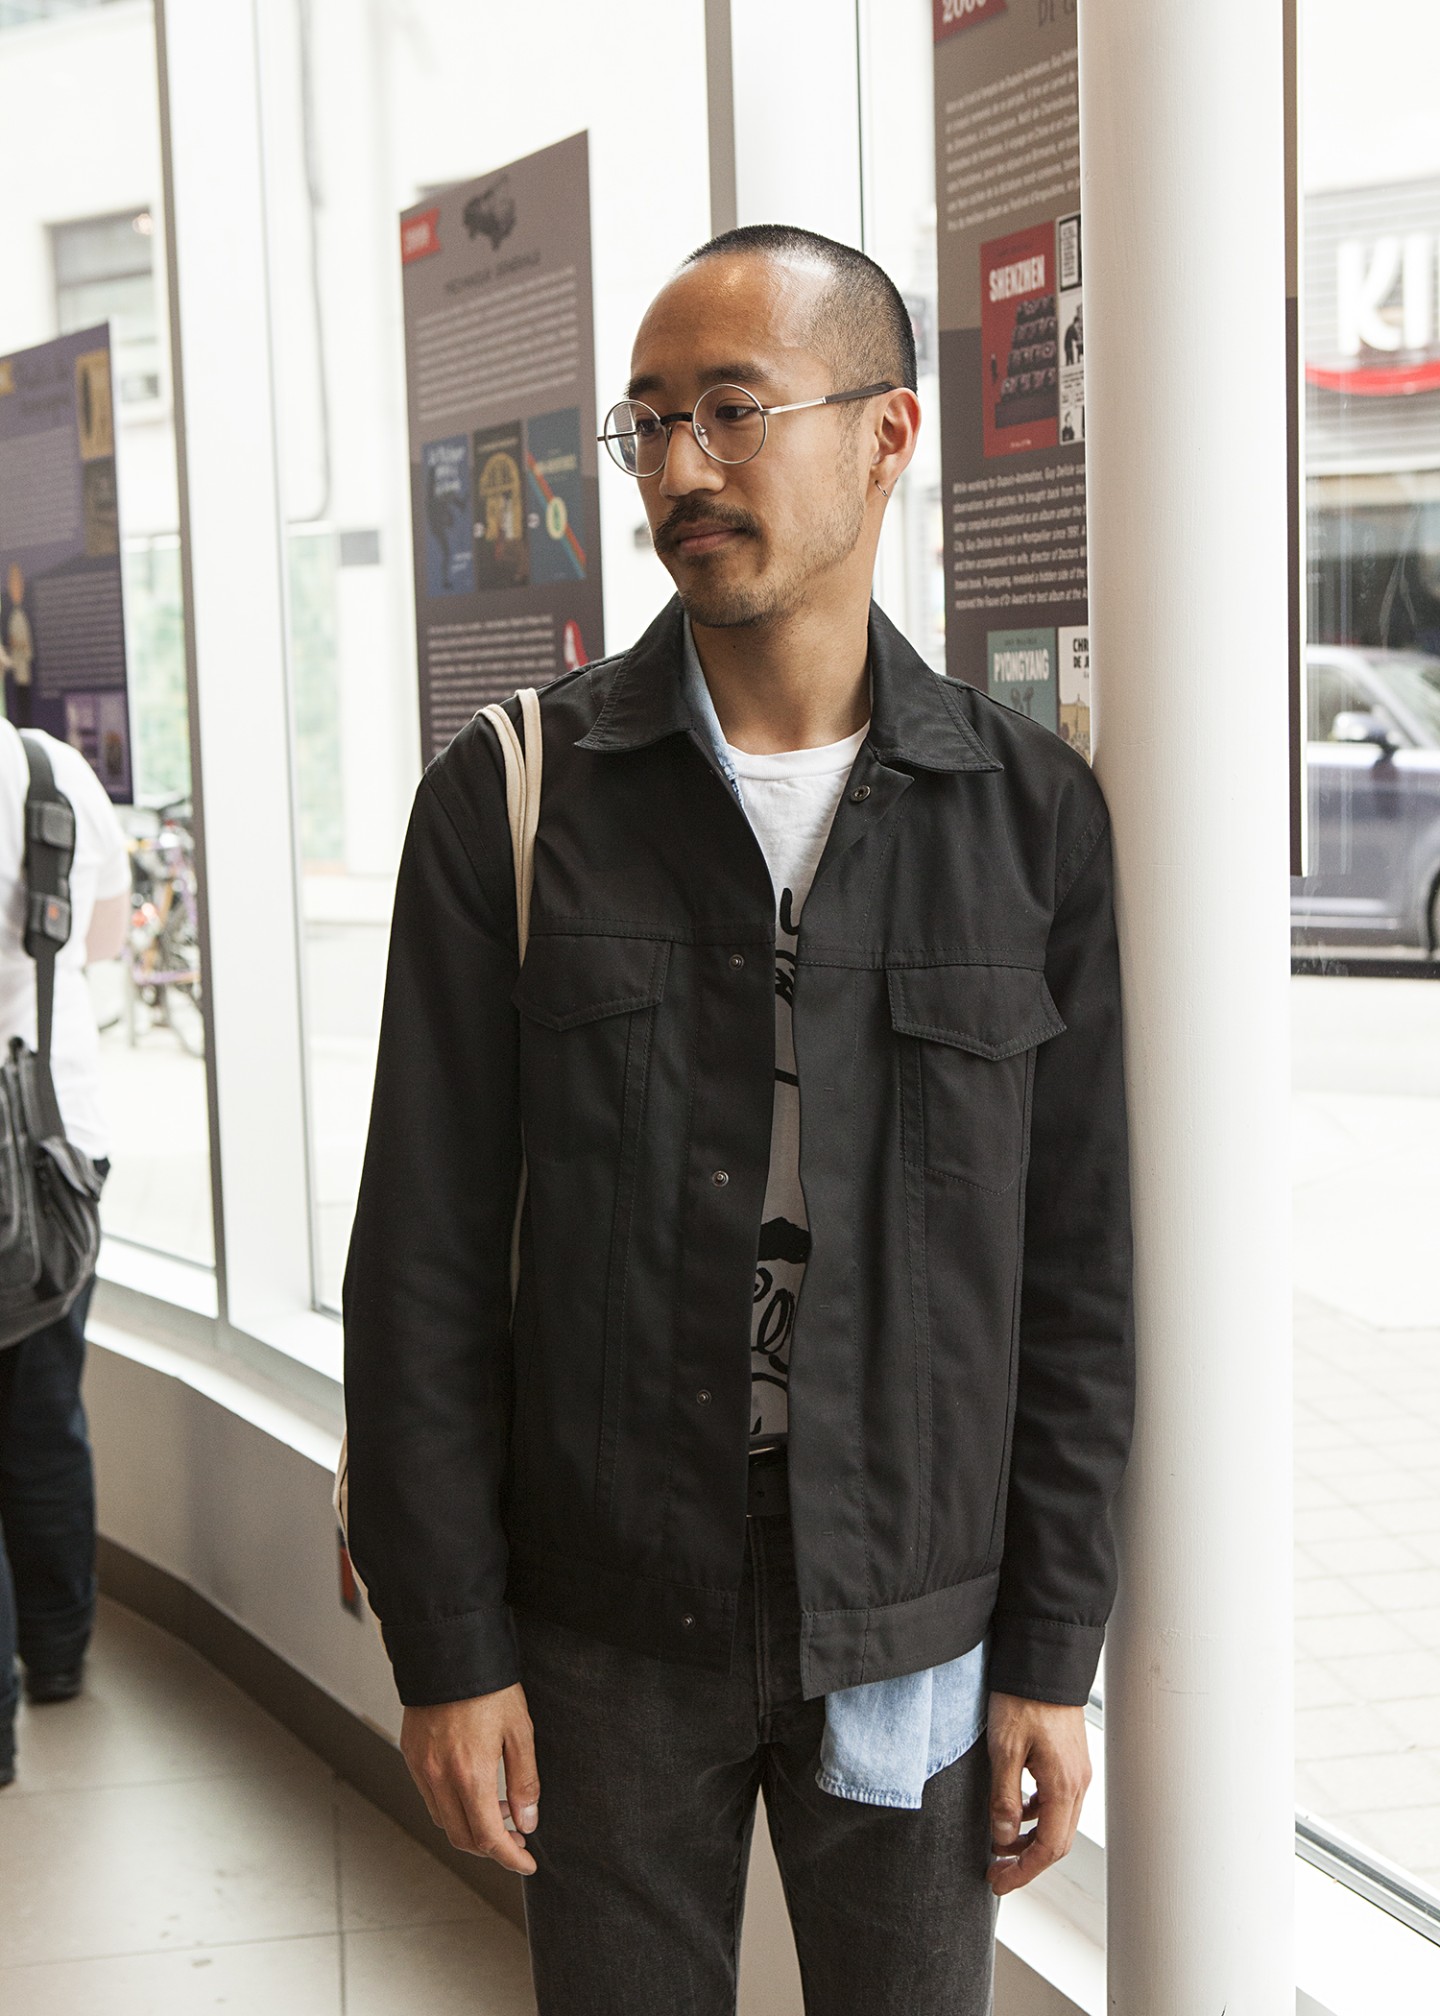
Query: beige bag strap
{"points": [[522, 803], [522, 796], [522, 806]]}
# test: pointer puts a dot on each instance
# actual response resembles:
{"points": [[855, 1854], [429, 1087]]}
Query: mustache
{"points": [[688, 518]]}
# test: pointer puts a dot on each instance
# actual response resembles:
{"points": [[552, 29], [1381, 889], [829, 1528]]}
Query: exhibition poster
{"points": [[500, 370], [62, 615], [1012, 350]]}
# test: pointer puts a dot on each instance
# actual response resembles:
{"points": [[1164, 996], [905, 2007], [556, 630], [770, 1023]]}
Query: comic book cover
{"points": [[449, 542], [555, 505], [1070, 335], [1074, 653], [502, 557], [1018, 347], [1022, 673]]}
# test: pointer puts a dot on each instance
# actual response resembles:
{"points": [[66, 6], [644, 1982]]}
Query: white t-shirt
{"points": [[101, 868], [790, 799]]}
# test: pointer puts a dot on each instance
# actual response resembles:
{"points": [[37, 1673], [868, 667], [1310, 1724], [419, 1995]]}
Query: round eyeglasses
{"points": [[728, 422]]}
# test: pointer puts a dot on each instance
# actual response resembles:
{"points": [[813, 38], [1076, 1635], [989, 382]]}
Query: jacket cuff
{"points": [[1041, 1659], [454, 1658]]}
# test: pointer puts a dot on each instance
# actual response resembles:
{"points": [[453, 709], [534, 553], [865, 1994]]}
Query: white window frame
{"points": [[241, 713]]}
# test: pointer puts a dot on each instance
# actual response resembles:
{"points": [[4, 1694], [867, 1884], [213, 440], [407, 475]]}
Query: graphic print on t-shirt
{"points": [[784, 1233], [790, 800]]}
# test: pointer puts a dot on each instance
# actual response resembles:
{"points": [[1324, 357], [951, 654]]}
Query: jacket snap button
{"points": [[860, 791], [703, 1394], [720, 1178], [737, 960], [687, 1618]]}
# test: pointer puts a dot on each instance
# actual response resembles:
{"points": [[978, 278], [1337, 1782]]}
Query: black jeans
{"points": [[47, 1504], [648, 1776]]}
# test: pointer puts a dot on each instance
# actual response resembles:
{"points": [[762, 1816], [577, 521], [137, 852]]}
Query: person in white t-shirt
{"points": [[47, 1491]]}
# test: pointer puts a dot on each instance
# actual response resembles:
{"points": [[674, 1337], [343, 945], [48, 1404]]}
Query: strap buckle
{"points": [[51, 822], [49, 918]]}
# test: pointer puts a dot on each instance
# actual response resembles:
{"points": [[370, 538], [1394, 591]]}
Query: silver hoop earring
{"points": [[881, 487]]}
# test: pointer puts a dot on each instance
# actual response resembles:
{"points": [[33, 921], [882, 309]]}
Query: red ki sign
{"points": [[1387, 307]]}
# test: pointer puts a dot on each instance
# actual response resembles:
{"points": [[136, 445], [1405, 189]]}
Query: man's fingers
{"points": [[451, 1816], [522, 1780], [470, 1813], [473, 1784], [1007, 1804], [454, 1750], [1049, 1740], [1030, 1863], [490, 1834], [1056, 1810]]}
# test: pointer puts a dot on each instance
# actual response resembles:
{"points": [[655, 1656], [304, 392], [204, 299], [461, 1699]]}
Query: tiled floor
{"points": [[168, 1850], [1367, 1436], [1367, 1592]]}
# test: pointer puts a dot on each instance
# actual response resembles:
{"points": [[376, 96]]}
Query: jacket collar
{"points": [[916, 718]]}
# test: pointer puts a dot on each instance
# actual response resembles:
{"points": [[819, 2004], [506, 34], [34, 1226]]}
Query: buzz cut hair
{"points": [[861, 321]]}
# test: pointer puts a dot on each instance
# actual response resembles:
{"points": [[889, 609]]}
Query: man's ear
{"points": [[897, 430]]}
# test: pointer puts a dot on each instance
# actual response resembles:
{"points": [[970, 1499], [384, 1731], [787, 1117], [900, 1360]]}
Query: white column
{"points": [[1182, 172], [232, 542]]}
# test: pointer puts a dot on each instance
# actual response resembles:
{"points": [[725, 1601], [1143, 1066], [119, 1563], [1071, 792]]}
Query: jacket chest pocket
{"points": [[968, 1034], [587, 1007]]}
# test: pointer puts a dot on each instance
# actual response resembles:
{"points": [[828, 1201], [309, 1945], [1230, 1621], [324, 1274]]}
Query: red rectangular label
{"points": [[953, 15], [420, 235]]}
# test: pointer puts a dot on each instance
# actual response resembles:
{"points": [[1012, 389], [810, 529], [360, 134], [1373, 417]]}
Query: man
{"points": [[837, 1065], [47, 1485]]}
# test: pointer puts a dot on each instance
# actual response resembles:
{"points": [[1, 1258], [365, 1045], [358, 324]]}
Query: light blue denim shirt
{"points": [[884, 1738]]}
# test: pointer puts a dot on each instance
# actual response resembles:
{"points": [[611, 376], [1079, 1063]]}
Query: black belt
{"points": [[769, 1487]]}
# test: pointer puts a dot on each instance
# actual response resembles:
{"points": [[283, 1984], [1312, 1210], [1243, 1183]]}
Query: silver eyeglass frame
{"points": [[669, 421]]}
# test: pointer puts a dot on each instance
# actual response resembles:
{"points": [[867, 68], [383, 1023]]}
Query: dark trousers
{"points": [[47, 1503], [648, 1776]]}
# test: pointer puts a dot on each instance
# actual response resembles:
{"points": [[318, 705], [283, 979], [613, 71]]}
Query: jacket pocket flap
{"points": [[992, 1011], [567, 981]]}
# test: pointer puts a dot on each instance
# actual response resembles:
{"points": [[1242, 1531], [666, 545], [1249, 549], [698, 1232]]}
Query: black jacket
{"points": [[961, 1367]]}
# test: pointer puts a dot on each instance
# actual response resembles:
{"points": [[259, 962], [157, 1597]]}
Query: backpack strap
{"points": [[522, 806], [49, 853], [522, 795]]}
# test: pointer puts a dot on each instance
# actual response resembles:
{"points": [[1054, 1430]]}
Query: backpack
{"points": [[49, 1188]]}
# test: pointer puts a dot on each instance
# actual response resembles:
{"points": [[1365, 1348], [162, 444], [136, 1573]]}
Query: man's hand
{"points": [[1050, 1743], [454, 1753]]}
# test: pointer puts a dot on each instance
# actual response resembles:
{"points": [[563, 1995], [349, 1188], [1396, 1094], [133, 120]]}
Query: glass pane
{"points": [[129, 305], [103, 248], [21, 13], [86, 264], [898, 150], [126, 302], [1367, 1049], [379, 112]]}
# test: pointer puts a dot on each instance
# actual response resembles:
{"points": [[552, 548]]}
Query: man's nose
{"points": [[687, 466]]}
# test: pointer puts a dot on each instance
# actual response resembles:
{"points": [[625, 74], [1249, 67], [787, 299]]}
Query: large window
{"points": [[1367, 928], [898, 228], [363, 114], [82, 228]]}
